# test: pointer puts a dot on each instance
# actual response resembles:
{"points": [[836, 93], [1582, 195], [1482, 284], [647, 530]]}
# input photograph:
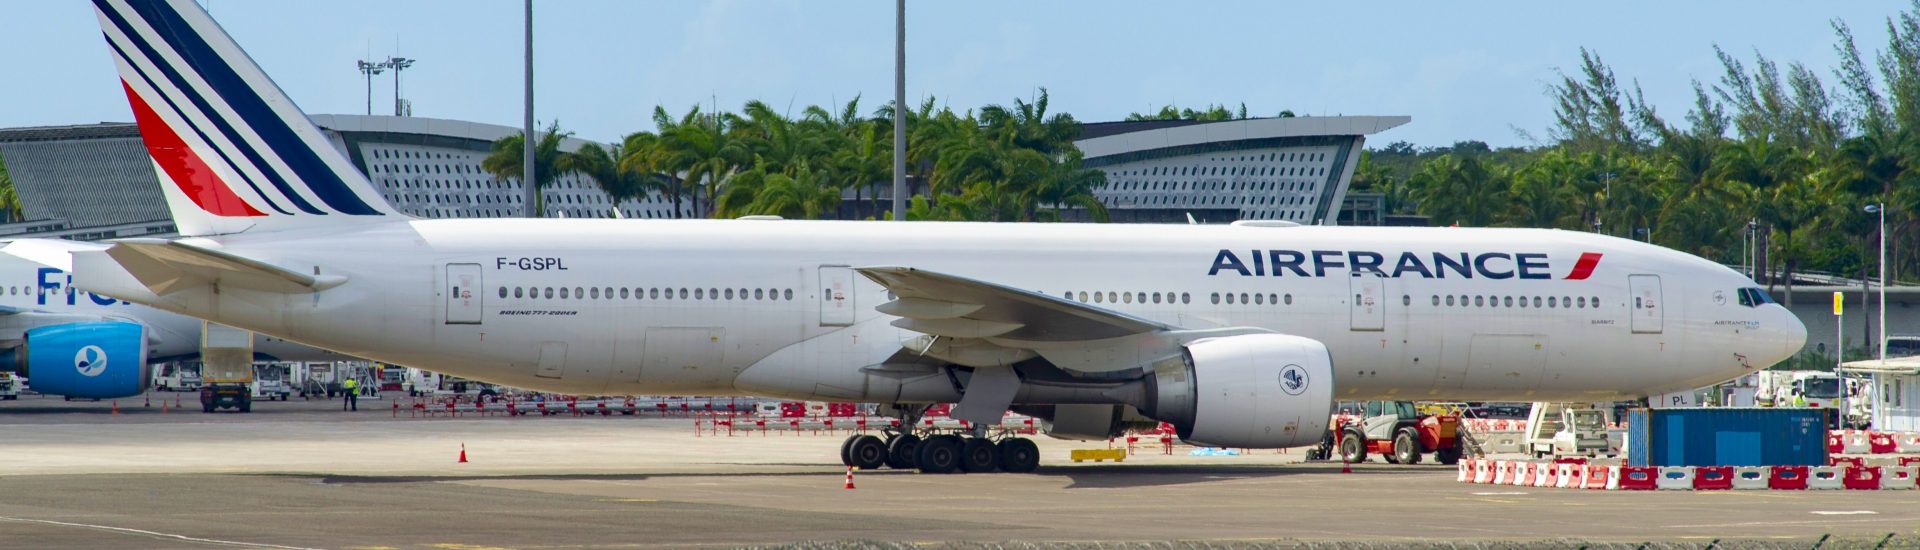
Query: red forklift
{"points": [[1398, 432]]}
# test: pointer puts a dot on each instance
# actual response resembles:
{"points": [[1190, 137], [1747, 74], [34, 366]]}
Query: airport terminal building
{"points": [[94, 181], [1292, 169]]}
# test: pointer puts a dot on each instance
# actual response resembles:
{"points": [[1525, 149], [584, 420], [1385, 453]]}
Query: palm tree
{"points": [[621, 181], [507, 162]]}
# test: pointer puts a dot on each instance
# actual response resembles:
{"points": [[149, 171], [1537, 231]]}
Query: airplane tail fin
{"points": [[232, 151]]}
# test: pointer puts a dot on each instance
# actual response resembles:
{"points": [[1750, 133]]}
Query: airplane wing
{"points": [[990, 327], [164, 266], [958, 307]]}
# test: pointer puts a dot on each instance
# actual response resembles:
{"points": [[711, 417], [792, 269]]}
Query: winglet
{"points": [[167, 266]]}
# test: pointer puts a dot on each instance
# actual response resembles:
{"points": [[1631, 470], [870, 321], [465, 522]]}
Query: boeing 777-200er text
{"points": [[1239, 336]]}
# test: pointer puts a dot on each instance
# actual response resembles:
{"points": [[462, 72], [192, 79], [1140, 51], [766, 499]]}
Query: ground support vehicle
{"points": [[1396, 431], [9, 386], [1560, 429], [226, 355], [272, 382]]}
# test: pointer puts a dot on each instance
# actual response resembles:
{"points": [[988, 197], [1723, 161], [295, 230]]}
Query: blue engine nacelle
{"points": [[98, 360]]}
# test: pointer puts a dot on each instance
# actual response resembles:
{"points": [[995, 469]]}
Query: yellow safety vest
{"points": [[350, 384]]}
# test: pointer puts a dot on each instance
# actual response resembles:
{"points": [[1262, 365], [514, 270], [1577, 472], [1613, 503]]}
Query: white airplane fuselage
{"points": [[702, 306]]}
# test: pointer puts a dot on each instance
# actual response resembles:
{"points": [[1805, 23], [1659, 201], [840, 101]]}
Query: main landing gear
{"points": [[940, 453]]}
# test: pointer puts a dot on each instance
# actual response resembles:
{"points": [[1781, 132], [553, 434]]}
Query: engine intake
{"points": [[1250, 391], [95, 360]]}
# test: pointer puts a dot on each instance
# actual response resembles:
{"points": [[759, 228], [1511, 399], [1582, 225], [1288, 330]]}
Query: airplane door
{"points": [[1647, 304], [836, 296], [464, 294], [1369, 306]]}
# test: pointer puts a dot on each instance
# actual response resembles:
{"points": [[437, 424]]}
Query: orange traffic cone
{"points": [[463, 453], [1345, 467], [849, 477], [116, 406], [163, 406]]}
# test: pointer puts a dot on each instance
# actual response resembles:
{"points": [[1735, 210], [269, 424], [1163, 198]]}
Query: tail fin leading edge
{"points": [[232, 151]]}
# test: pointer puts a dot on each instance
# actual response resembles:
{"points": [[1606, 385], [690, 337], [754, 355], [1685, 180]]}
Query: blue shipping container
{"points": [[1727, 437]]}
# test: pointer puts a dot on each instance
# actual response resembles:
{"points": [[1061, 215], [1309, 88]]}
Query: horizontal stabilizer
{"points": [[167, 266]]}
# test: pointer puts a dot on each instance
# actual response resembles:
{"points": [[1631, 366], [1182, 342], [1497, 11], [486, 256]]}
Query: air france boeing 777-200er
{"points": [[1239, 336]]}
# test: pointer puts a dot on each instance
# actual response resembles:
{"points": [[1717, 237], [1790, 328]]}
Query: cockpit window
{"points": [[1754, 297]]}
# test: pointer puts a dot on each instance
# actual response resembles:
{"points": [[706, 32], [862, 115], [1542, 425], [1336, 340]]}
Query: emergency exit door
{"points": [[836, 296], [1646, 303], [464, 294]]}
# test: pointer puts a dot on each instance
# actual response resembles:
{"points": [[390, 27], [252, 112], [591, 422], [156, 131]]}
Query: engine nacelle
{"points": [[95, 360], [1251, 391]]}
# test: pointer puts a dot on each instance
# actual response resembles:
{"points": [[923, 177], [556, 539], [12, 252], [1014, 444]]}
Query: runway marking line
{"points": [[1844, 512], [152, 533]]}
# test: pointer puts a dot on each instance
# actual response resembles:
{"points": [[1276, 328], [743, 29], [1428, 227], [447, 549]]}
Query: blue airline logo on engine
{"points": [[50, 284], [1316, 263], [1293, 379], [90, 361]]}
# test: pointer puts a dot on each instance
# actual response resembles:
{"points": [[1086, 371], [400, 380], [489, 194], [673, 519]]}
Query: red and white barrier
{"points": [[1846, 473]]}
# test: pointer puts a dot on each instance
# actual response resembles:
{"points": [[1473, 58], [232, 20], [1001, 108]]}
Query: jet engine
{"points": [[92, 360], [1251, 391]]}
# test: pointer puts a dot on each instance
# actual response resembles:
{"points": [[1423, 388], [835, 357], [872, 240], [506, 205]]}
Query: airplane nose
{"points": [[1792, 334]]}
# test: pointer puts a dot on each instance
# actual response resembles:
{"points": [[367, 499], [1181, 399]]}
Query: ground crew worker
{"points": [[351, 387], [1799, 400]]}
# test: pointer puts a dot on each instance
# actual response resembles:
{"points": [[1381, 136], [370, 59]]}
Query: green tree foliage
{"points": [[9, 198], [507, 161], [1766, 143], [1001, 163]]}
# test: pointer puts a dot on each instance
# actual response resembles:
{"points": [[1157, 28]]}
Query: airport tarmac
{"points": [[304, 475]]}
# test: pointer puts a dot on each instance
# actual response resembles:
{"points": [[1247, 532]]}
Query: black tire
{"points": [[1353, 447], [1448, 456], [246, 407], [846, 447], [867, 452], [939, 454], [206, 408], [1323, 451], [978, 455], [903, 452], [1406, 447], [1019, 455]]}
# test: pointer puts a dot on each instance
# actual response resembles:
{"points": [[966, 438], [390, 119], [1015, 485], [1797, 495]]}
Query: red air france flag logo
{"points": [[1584, 267]]}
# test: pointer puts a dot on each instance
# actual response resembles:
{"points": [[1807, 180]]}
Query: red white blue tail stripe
{"points": [[237, 154]]}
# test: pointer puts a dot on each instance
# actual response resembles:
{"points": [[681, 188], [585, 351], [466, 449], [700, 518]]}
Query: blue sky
{"points": [[1462, 70]]}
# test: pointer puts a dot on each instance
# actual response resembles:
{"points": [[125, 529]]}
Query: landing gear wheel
{"points": [[939, 454], [903, 452], [1406, 447], [1019, 455], [845, 446], [1323, 451], [1448, 456], [978, 455], [866, 452], [1353, 448]]}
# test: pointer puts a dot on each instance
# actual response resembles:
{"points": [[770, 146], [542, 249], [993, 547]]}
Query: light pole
{"points": [[900, 110], [1753, 249], [526, 133], [397, 64], [1881, 209], [369, 69]]}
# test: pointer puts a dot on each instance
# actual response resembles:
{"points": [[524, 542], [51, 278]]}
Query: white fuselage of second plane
{"points": [[35, 280], [772, 307]]}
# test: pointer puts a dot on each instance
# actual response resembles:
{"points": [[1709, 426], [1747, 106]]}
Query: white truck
{"points": [[273, 381], [1564, 429], [10, 386]]}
